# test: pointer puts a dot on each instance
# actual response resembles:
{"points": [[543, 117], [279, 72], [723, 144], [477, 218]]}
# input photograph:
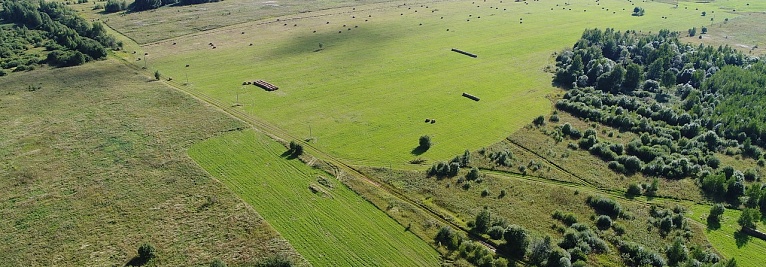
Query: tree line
{"points": [[72, 39]]}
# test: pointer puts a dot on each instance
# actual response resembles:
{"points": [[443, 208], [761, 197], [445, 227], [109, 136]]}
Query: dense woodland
{"points": [[68, 39], [687, 103]]}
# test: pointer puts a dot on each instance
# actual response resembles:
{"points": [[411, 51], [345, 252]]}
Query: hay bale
{"points": [[428, 120], [433, 121], [470, 96]]}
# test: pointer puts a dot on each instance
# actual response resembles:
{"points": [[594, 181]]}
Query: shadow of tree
{"points": [[713, 224], [742, 238], [136, 261], [419, 150]]}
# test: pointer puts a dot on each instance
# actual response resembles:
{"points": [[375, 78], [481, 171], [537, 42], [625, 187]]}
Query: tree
{"points": [[704, 30], [115, 6], [677, 252], [141, 5], [693, 31], [603, 222], [632, 77], [637, 11], [634, 190], [483, 221], [748, 218], [539, 121], [715, 213], [516, 240], [157, 75], [425, 142], [539, 250]]}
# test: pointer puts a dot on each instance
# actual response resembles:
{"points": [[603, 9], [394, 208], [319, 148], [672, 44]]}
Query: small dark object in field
{"points": [[464, 52], [251, 44], [401, 14], [327, 22], [478, 17], [447, 29], [365, 20], [134, 52], [340, 31], [469, 96], [442, 18], [356, 26], [468, 20], [315, 31], [421, 24], [433, 121], [296, 25], [520, 22], [349, 29], [428, 120], [353, 17], [174, 43], [243, 32], [210, 44], [277, 19], [369, 16], [213, 47]]}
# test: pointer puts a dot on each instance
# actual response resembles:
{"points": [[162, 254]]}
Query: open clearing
{"points": [[327, 223], [93, 164], [749, 251], [365, 94]]}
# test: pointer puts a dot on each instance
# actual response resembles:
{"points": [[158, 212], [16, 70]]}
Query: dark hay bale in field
{"points": [[296, 25], [210, 44], [344, 25], [421, 24], [447, 29], [315, 32], [134, 52], [213, 47], [401, 14], [468, 20], [349, 29], [428, 120], [170, 79], [365, 20], [285, 24], [478, 17], [340, 31], [244, 83], [174, 43], [353, 17], [277, 19], [369, 16], [442, 18], [327, 22], [469, 15], [243, 32], [251, 44], [433, 121], [470, 96], [355, 26]]}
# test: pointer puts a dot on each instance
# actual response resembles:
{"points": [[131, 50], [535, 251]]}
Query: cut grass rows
{"points": [[330, 227]]}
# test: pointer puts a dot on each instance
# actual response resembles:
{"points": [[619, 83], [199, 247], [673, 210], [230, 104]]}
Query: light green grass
{"points": [[93, 164], [333, 227], [749, 253], [364, 97]]}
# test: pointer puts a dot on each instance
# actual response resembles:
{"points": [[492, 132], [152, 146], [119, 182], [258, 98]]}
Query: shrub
{"points": [[567, 218], [483, 221], [539, 121], [496, 232], [295, 149], [147, 252], [473, 174], [274, 261], [425, 142], [748, 218], [157, 75], [634, 189], [715, 214], [603, 222], [485, 192], [605, 206], [502, 193], [217, 263]]}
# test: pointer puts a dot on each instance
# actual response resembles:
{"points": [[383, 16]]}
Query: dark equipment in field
{"points": [[470, 96], [464, 52], [265, 85]]}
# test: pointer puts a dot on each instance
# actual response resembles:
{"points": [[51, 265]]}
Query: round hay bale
{"points": [[433, 121], [428, 120]]}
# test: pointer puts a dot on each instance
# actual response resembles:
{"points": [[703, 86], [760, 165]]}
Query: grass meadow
{"points": [[749, 251], [365, 94], [93, 164], [328, 224]]}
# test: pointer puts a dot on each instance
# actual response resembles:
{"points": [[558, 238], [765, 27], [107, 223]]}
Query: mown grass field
{"points": [[748, 251], [327, 223], [93, 164], [365, 95]]}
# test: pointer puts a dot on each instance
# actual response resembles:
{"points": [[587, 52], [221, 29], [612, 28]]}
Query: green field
{"points": [[365, 95], [329, 226], [93, 164], [748, 251]]}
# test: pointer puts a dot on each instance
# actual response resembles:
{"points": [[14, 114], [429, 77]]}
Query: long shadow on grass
{"points": [[742, 238], [289, 154], [418, 150]]}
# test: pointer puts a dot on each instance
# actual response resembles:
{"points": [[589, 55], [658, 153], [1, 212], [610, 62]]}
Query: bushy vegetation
{"points": [[686, 103], [70, 39], [141, 5]]}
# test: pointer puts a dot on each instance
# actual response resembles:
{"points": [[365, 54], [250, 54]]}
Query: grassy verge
{"points": [[748, 251], [326, 222], [93, 164]]}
